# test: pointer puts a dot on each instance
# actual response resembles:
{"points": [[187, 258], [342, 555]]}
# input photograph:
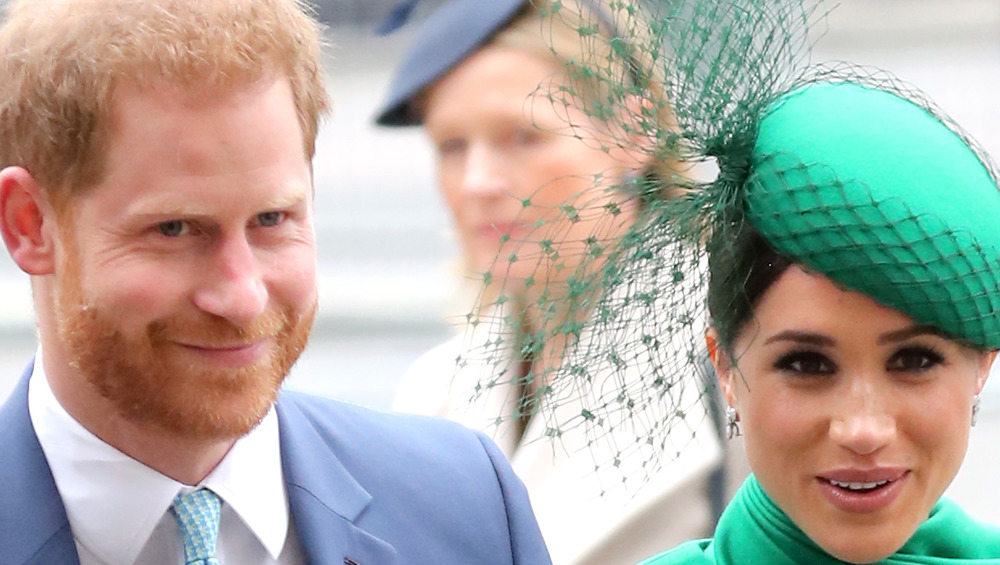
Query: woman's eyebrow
{"points": [[907, 333], [803, 337]]}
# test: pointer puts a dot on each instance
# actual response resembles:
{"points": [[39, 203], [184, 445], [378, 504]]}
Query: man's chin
{"points": [[221, 429], [208, 416], [152, 384]]}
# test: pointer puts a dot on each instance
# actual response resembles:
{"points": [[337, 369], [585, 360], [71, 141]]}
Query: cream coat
{"points": [[590, 512]]}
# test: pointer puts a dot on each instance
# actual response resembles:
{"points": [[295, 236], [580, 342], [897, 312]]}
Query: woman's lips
{"points": [[496, 230], [863, 490]]}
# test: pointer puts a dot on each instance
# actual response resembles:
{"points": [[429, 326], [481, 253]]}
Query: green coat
{"points": [[754, 531]]}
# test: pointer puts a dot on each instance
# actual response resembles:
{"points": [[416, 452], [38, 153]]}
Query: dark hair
{"points": [[742, 265]]}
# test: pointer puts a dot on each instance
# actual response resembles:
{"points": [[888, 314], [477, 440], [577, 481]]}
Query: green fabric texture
{"points": [[842, 182], [753, 531]]}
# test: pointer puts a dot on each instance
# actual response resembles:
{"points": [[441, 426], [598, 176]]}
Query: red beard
{"points": [[152, 380]]}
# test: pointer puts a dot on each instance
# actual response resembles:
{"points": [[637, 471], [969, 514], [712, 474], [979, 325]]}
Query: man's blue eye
{"points": [[173, 228], [268, 219]]}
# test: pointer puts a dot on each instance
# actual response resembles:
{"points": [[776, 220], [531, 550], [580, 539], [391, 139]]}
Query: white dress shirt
{"points": [[118, 508]]}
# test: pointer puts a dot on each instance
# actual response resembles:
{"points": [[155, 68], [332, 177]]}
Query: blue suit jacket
{"points": [[364, 487]]}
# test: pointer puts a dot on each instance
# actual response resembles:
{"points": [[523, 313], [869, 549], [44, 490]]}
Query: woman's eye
{"points": [[270, 219], [173, 228], [806, 363], [525, 137], [913, 359], [451, 146]]}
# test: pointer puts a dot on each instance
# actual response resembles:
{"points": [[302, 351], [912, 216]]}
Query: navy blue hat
{"points": [[448, 37]]}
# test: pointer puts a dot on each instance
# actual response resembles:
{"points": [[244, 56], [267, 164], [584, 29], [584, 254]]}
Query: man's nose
{"points": [[233, 285]]}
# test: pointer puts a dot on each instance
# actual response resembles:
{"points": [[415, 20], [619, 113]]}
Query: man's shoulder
{"points": [[374, 434], [433, 489], [322, 410], [402, 461]]}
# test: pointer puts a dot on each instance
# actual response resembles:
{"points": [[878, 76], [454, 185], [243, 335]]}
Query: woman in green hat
{"points": [[529, 168], [854, 300], [846, 258]]}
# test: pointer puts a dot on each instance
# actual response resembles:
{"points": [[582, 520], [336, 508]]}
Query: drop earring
{"points": [[733, 422], [976, 401]]}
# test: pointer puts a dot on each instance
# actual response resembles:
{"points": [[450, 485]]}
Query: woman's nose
{"points": [[483, 171], [864, 424]]}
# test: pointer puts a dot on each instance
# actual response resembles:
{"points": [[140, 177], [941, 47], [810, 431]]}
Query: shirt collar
{"points": [[249, 479], [114, 502]]}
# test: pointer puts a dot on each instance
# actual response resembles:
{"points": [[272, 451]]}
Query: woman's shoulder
{"points": [[694, 552], [441, 356], [424, 386]]}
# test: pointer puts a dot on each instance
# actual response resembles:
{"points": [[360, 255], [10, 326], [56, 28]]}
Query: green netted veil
{"points": [[841, 168]]}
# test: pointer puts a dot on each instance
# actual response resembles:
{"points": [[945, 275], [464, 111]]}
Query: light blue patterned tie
{"points": [[198, 515]]}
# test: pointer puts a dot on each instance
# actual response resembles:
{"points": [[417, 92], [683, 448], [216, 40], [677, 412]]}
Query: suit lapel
{"points": [[325, 499], [33, 524]]}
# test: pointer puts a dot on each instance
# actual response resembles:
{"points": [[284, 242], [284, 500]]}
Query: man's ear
{"points": [[723, 365], [27, 222]]}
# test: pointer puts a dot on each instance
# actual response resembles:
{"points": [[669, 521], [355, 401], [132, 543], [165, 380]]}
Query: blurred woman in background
{"points": [[532, 154]]}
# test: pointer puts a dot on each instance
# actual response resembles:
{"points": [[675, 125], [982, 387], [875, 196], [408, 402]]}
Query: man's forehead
{"points": [[179, 113], [173, 140], [194, 90]]}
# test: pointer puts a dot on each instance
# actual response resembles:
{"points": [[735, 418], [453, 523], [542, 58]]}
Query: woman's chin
{"points": [[862, 549], [515, 278]]}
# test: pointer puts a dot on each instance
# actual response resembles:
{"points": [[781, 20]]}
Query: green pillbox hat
{"points": [[877, 193]]}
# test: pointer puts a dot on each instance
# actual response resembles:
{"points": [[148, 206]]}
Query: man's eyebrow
{"points": [[290, 198], [908, 332], [803, 337], [278, 202]]}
